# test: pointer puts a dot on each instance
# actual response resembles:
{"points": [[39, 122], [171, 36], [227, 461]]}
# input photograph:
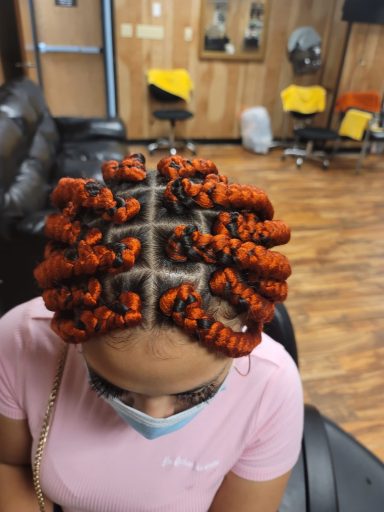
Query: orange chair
{"points": [[369, 101], [365, 102]]}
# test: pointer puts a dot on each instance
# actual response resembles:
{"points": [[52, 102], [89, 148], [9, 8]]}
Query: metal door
{"points": [[68, 46]]}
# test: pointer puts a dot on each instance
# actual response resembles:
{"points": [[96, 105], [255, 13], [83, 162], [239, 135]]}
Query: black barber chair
{"points": [[36, 150], [334, 473], [172, 111]]}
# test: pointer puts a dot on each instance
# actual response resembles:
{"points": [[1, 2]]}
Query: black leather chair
{"points": [[36, 150], [334, 472]]}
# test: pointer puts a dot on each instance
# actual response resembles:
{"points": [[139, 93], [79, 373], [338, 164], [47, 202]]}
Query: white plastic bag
{"points": [[256, 133]]}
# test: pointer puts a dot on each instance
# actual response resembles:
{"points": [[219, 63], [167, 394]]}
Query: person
{"points": [[166, 395]]}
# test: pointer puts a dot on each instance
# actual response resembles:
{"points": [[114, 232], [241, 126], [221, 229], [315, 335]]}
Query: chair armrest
{"points": [[73, 129], [319, 467]]}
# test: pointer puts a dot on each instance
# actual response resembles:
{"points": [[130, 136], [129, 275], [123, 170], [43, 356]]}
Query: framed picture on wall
{"points": [[233, 29]]}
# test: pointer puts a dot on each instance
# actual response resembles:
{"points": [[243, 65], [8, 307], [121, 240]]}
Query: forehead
{"points": [[153, 363]]}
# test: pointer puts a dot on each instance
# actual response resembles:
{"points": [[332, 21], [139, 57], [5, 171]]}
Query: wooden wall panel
{"points": [[222, 88], [364, 63], [333, 46]]}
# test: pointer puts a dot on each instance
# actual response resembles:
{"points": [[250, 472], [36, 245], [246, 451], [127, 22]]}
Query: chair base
{"points": [[172, 146], [307, 153]]}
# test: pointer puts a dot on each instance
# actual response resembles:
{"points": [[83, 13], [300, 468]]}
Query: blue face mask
{"points": [[150, 427]]}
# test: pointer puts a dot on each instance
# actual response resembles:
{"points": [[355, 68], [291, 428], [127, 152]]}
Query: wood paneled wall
{"points": [[364, 63], [223, 88]]}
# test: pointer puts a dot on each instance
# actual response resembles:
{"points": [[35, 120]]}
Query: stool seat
{"points": [[173, 115], [316, 133]]}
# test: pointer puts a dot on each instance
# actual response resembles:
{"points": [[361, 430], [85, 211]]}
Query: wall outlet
{"points": [[150, 31], [188, 34], [126, 30], [156, 9]]}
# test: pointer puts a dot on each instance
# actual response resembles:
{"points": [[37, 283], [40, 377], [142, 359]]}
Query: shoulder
{"points": [[32, 309], [29, 353], [26, 333], [274, 397], [269, 361], [282, 378], [265, 385], [271, 351]]}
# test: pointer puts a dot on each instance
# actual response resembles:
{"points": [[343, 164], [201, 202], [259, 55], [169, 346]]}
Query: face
{"points": [[159, 373]]}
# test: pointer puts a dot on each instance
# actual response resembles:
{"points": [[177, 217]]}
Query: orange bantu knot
{"points": [[71, 194], [205, 167], [131, 168], [187, 243], [84, 259], [172, 167], [213, 191], [59, 227], [69, 297], [275, 291], [184, 305], [226, 283], [124, 210], [248, 227], [125, 312], [190, 193]]}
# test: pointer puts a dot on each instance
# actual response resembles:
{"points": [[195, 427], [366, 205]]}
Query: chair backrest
{"points": [[369, 101], [163, 96], [170, 84], [28, 144], [281, 329], [304, 100]]}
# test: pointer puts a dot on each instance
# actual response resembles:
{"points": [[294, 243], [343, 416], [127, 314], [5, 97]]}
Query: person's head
{"points": [[164, 276]]}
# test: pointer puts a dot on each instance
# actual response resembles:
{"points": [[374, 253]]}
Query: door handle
{"points": [[63, 48]]}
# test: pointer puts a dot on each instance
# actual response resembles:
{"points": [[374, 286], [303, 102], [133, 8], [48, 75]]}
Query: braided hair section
{"points": [[248, 275], [184, 305], [77, 256], [156, 248]]}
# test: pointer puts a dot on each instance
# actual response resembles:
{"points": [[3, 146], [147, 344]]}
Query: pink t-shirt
{"points": [[95, 462]]}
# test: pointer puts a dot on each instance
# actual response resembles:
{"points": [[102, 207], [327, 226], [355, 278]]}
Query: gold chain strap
{"points": [[45, 430]]}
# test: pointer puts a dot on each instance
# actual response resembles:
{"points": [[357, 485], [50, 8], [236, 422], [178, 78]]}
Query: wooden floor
{"points": [[336, 298]]}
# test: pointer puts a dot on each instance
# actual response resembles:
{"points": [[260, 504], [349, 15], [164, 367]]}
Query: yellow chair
{"points": [[171, 86], [303, 103]]}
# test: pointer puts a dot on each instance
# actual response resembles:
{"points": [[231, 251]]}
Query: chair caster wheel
{"points": [[325, 165], [299, 162], [152, 148]]}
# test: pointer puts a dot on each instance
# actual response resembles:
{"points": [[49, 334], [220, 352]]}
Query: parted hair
{"points": [[159, 248]]}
